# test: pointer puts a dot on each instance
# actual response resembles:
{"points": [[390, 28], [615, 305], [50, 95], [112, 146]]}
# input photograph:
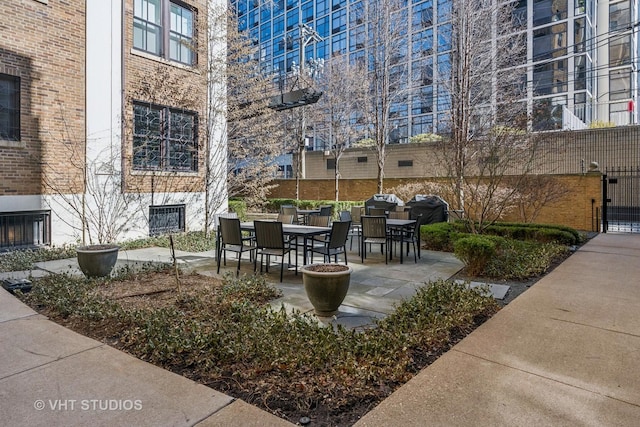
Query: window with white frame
{"points": [[164, 138], [166, 29]]}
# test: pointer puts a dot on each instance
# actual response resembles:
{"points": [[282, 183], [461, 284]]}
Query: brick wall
{"points": [[151, 79], [43, 45], [576, 209]]}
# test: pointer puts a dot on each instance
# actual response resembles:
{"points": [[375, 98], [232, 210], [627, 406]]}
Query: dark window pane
{"points": [[9, 107]]}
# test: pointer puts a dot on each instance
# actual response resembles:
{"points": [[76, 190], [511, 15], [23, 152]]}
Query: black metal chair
{"points": [[356, 225], [326, 210], [319, 220], [374, 232], [285, 219], [410, 236], [344, 216], [231, 240], [290, 210], [270, 241], [336, 244], [377, 211], [399, 215]]}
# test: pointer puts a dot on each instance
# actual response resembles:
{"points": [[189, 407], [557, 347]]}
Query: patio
{"points": [[374, 290]]}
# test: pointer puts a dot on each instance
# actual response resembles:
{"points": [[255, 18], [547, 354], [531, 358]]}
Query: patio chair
{"points": [[399, 215], [336, 244], [356, 225], [231, 240], [314, 221], [326, 210], [290, 210], [318, 220], [270, 242], [377, 211], [285, 219], [374, 232], [410, 236]]}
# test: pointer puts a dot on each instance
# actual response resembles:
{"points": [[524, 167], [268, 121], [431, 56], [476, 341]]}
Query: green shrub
{"points": [[274, 205], [549, 235], [439, 236], [517, 259], [475, 252], [239, 207], [539, 232]]}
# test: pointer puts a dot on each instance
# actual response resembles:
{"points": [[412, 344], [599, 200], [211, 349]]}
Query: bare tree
{"points": [[386, 51], [344, 86], [536, 192], [93, 206], [488, 145], [252, 131]]}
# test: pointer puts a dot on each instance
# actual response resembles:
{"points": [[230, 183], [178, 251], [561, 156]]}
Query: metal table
{"points": [[395, 225], [304, 231]]}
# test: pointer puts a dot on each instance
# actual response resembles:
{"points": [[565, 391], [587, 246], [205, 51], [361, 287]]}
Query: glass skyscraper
{"points": [[581, 55]]}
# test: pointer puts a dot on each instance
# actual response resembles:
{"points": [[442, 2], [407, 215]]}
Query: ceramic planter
{"points": [[326, 286], [97, 260]]}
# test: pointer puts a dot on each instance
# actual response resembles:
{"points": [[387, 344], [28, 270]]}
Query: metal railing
{"points": [[165, 219], [23, 230]]}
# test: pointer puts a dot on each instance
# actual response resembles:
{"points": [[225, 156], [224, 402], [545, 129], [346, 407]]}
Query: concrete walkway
{"points": [[566, 352]]}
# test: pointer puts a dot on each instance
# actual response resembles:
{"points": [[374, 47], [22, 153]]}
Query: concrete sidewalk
{"points": [[566, 352]]}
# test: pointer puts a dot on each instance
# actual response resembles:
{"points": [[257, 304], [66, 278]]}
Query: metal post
{"points": [[604, 203]]}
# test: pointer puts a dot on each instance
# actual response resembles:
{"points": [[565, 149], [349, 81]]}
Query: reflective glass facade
{"points": [[562, 46]]}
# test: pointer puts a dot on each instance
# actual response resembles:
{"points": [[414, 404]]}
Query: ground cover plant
{"points": [[223, 333], [22, 260], [504, 251]]}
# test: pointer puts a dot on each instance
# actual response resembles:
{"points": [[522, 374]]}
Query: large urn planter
{"points": [[97, 260], [326, 286]]}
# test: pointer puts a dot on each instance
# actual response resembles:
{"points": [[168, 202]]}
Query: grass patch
{"points": [[225, 335]]}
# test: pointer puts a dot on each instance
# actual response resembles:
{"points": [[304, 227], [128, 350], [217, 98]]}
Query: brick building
{"points": [[103, 119]]}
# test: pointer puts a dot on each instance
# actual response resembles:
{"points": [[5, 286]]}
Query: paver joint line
{"points": [[596, 327], [54, 360], [544, 377]]}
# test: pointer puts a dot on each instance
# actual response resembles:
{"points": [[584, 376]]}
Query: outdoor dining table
{"points": [[305, 231], [399, 225]]}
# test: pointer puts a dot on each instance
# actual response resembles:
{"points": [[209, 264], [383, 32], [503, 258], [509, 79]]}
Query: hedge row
{"points": [[442, 236], [518, 253], [273, 205]]}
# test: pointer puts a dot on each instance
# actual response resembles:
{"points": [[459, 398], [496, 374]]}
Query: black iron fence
{"points": [[621, 200], [574, 151]]}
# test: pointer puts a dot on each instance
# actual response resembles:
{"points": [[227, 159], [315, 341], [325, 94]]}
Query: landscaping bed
{"points": [[222, 333]]}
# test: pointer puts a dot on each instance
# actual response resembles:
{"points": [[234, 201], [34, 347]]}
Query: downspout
{"points": [[123, 144], [86, 131]]}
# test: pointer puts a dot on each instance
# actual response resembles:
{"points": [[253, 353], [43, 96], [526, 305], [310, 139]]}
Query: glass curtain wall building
{"points": [[581, 55]]}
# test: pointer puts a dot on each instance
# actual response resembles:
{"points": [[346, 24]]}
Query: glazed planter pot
{"points": [[326, 286], [97, 260]]}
